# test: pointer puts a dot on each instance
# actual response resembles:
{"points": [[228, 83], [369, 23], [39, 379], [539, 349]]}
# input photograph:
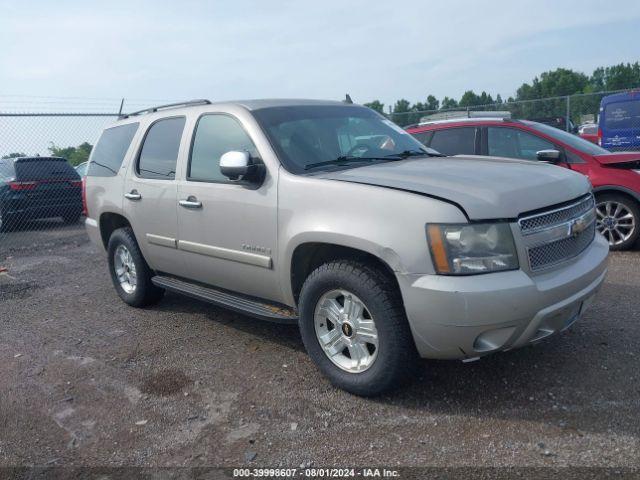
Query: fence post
{"points": [[568, 115]]}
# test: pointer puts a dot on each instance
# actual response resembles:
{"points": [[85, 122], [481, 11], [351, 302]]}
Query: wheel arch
{"points": [[109, 222], [617, 189], [309, 255]]}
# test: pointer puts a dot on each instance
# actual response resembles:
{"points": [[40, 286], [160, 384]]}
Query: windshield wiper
{"points": [[347, 159], [415, 153]]}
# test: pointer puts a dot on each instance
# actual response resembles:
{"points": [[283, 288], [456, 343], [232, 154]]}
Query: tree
{"points": [[432, 103], [559, 83], [14, 155], [468, 99], [555, 83], [401, 111], [448, 103], [75, 155], [616, 77], [375, 105]]}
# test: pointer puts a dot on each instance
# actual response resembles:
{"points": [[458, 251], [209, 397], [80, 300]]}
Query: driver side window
{"points": [[513, 143], [215, 135]]}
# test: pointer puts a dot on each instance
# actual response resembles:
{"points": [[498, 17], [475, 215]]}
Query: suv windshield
{"points": [[570, 139], [328, 137]]}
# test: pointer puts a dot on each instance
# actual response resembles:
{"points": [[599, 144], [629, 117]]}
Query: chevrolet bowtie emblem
{"points": [[577, 227]]}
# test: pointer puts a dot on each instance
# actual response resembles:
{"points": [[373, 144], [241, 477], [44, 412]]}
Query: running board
{"points": [[236, 302]]}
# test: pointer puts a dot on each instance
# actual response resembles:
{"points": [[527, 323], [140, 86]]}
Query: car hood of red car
{"points": [[620, 157], [484, 187]]}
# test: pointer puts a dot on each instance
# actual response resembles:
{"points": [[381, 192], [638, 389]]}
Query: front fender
{"points": [[386, 223]]}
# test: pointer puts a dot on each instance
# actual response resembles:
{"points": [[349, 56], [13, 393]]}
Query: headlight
{"points": [[464, 249]]}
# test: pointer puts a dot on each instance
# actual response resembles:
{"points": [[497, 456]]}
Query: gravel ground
{"points": [[87, 380]]}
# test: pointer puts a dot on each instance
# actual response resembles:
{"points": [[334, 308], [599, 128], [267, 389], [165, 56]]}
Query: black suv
{"points": [[38, 187]]}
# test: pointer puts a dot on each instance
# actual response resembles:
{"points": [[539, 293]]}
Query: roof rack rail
{"points": [[201, 101]]}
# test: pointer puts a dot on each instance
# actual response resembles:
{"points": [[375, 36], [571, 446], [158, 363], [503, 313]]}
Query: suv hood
{"points": [[484, 187]]}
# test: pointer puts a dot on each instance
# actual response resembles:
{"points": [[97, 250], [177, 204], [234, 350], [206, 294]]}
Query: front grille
{"points": [[557, 216], [560, 233], [560, 250]]}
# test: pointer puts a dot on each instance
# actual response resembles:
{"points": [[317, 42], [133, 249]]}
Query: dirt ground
{"points": [[87, 380]]}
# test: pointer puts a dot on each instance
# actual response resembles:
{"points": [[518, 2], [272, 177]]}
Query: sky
{"points": [[158, 50]]}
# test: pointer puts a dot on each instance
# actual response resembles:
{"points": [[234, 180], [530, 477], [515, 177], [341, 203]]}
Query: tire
{"points": [[7, 221], [618, 219], [395, 355], [144, 292]]}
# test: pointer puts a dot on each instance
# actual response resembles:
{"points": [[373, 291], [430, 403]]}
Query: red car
{"points": [[589, 131], [615, 176]]}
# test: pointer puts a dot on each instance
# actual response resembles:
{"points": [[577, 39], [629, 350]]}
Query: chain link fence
{"points": [[42, 151], [579, 114], [44, 145], [41, 173]]}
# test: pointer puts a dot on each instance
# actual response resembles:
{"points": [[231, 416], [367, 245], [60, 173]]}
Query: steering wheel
{"points": [[362, 147]]}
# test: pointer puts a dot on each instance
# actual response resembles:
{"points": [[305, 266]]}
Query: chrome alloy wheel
{"points": [[615, 221], [346, 331], [125, 269]]}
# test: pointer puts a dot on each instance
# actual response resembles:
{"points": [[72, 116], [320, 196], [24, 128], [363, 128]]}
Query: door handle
{"points": [[191, 202], [133, 195]]}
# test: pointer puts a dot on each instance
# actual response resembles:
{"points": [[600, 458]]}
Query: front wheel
{"points": [[618, 219], [354, 327]]}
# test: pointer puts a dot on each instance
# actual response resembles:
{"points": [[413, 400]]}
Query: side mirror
{"points": [[551, 156], [235, 165]]}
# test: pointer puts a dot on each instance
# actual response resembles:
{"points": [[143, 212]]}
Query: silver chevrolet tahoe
{"points": [[330, 216]]}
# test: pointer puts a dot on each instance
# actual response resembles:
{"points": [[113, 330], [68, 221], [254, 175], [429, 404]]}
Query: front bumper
{"points": [[465, 317]]}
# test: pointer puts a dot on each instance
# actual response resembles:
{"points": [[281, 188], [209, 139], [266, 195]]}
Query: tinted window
{"points": [[455, 141], [589, 130], [570, 139], [159, 152], [6, 169], [622, 115], [29, 170], [108, 154], [423, 137], [509, 142], [82, 169], [216, 135]]}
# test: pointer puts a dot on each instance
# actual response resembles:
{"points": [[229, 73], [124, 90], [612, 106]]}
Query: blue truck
{"points": [[619, 121]]}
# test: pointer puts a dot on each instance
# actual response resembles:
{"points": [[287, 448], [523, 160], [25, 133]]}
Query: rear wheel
{"points": [[130, 274], [354, 327], [618, 219]]}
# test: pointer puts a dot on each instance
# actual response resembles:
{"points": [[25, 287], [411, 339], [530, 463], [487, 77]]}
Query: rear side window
{"points": [[455, 141], [44, 169], [110, 150], [621, 115], [6, 170], [159, 153], [216, 135], [423, 137], [513, 143]]}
